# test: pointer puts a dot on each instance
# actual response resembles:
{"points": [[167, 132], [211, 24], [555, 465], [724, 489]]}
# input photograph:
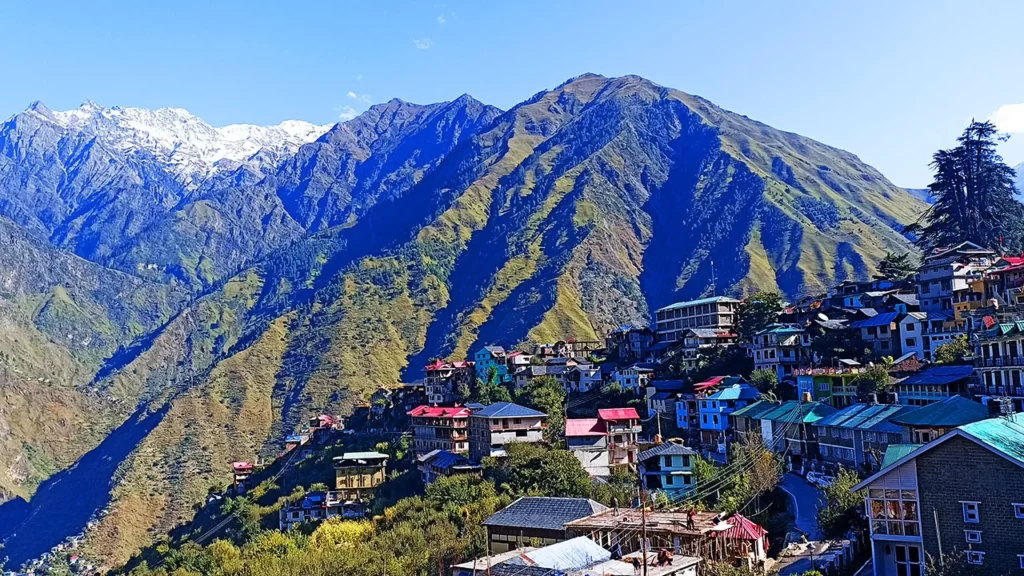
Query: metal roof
{"points": [[507, 410], [570, 554], [950, 412], [544, 513], [618, 414], [1004, 435], [698, 302], [793, 411], [883, 319], [736, 392], [896, 451], [939, 375], [872, 417], [575, 427], [666, 449], [755, 410]]}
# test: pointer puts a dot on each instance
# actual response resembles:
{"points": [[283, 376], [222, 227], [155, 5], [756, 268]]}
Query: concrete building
{"points": [[715, 410], [534, 519], [357, 475], [440, 428], [668, 468], [857, 436], [443, 380], [999, 363], [606, 441], [500, 424], [782, 348], [949, 270], [718, 312]]}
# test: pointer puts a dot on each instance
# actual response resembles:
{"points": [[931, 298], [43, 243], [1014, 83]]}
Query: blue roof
{"points": [[445, 459], [667, 385], [951, 412], [883, 319], [544, 513], [736, 392], [507, 410], [939, 375], [872, 417]]}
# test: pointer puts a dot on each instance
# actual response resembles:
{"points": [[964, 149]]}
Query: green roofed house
{"points": [[934, 420], [962, 493], [787, 427], [896, 451], [857, 436]]}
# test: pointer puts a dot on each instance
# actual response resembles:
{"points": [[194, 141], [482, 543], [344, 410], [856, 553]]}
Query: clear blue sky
{"points": [[889, 81]]}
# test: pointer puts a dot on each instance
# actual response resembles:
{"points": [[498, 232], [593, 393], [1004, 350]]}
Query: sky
{"points": [[889, 81]]}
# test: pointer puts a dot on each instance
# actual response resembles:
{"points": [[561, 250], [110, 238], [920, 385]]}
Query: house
{"points": [[933, 384], [782, 348], [242, 471], [857, 436], [380, 402], [515, 360], [785, 428], [442, 463], [699, 341], [947, 270], [662, 396], [523, 376], [440, 428], [834, 386], [634, 377], [911, 333], [490, 362], [668, 468], [445, 379], [938, 418], [581, 349], [962, 494], [687, 406], [999, 362], [717, 312], [736, 539], [316, 507], [715, 410], [628, 343], [1004, 281], [500, 424], [582, 378], [579, 556], [533, 520], [293, 441], [880, 333], [606, 441], [357, 475]]}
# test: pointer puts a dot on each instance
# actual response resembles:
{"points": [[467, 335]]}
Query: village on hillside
{"points": [[877, 389]]}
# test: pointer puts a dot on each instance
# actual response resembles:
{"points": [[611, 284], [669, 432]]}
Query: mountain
{"points": [[413, 232]]}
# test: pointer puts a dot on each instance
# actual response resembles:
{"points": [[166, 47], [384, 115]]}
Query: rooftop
{"points": [[576, 427], [896, 451], [939, 375], [544, 513], [713, 300], [507, 410], [618, 414], [737, 391], [440, 412], [950, 412], [666, 449], [882, 319], [792, 411], [360, 457], [872, 417]]}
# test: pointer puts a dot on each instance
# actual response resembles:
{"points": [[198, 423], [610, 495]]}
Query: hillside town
{"points": [[879, 390]]}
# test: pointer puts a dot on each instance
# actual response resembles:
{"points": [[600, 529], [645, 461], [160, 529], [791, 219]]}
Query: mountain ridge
{"points": [[421, 231]]}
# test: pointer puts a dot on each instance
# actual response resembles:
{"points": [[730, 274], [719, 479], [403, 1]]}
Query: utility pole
{"points": [[643, 528], [712, 278]]}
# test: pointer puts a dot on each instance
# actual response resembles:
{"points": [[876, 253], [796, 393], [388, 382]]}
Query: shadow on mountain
{"points": [[64, 503]]}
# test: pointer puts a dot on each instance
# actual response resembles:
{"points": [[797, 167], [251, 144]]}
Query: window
{"points": [[971, 515], [975, 557], [911, 342], [823, 386], [910, 327], [520, 433], [909, 561], [705, 418], [972, 536], [715, 418], [893, 512], [1018, 510]]}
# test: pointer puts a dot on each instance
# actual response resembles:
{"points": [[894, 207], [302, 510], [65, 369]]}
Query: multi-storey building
{"points": [[444, 379], [668, 467], [717, 312], [582, 378], [606, 441], [961, 494], [1005, 282], [715, 410], [930, 422], [500, 424], [697, 341], [440, 428], [492, 362], [786, 428], [833, 386], [628, 343], [933, 384], [999, 362], [688, 404], [949, 270], [357, 475], [858, 435], [782, 348], [316, 507], [880, 333]]}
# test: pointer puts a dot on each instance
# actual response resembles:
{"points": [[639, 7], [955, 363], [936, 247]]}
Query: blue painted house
{"points": [[714, 412], [668, 467], [492, 359]]}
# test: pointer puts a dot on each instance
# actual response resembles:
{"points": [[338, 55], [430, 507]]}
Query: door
{"points": [[909, 561]]}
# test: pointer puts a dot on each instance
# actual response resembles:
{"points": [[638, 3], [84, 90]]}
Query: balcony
{"points": [[999, 362], [618, 429]]}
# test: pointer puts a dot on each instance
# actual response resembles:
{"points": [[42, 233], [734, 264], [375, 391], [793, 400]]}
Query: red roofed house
{"points": [[440, 428], [606, 441], [445, 378], [687, 410], [747, 541]]}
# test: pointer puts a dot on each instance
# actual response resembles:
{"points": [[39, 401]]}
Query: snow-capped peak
{"points": [[190, 147]]}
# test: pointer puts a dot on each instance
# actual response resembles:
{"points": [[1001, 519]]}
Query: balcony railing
{"points": [[999, 361]]}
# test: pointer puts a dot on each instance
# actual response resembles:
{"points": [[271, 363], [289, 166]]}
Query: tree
{"points": [[842, 510], [872, 380], [953, 563], [953, 352], [757, 312], [532, 469], [765, 380], [897, 267], [460, 490], [974, 195], [544, 393]]}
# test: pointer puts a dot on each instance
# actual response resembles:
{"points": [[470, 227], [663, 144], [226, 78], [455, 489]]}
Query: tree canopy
{"points": [[757, 312], [897, 266], [974, 195], [953, 352]]}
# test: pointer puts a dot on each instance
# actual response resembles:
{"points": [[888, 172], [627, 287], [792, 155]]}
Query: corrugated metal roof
{"points": [[755, 410], [544, 513], [736, 392], [1005, 435], [743, 529], [576, 553], [939, 375], [883, 319], [797, 412], [666, 449], [871, 417], [618, 414], [950, 412], [507, 410], [896, 451], [575, 427], [698, 302]]}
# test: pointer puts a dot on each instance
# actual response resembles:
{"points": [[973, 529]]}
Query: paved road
{"points": [[806, 499]]}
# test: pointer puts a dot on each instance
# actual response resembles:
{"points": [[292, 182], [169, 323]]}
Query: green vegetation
{"points": [[756, 313], [954, 351], [545, 394], [843, 509], [532, 470], [897, 267]]}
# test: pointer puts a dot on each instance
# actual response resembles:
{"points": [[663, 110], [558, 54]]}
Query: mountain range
{"points": [[231, 281]]}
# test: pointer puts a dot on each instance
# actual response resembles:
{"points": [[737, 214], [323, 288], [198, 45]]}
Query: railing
{"points": [[997, 390], [999, 361]]}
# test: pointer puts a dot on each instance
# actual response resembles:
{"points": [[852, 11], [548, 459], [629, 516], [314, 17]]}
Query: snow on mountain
{"points": [[191, 148]]}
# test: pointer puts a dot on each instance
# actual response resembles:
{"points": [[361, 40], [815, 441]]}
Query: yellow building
{"points": [[357, 475]]}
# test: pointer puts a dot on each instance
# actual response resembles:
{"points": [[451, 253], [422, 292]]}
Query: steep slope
{"points": [[60, 317], [415, 231]]}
